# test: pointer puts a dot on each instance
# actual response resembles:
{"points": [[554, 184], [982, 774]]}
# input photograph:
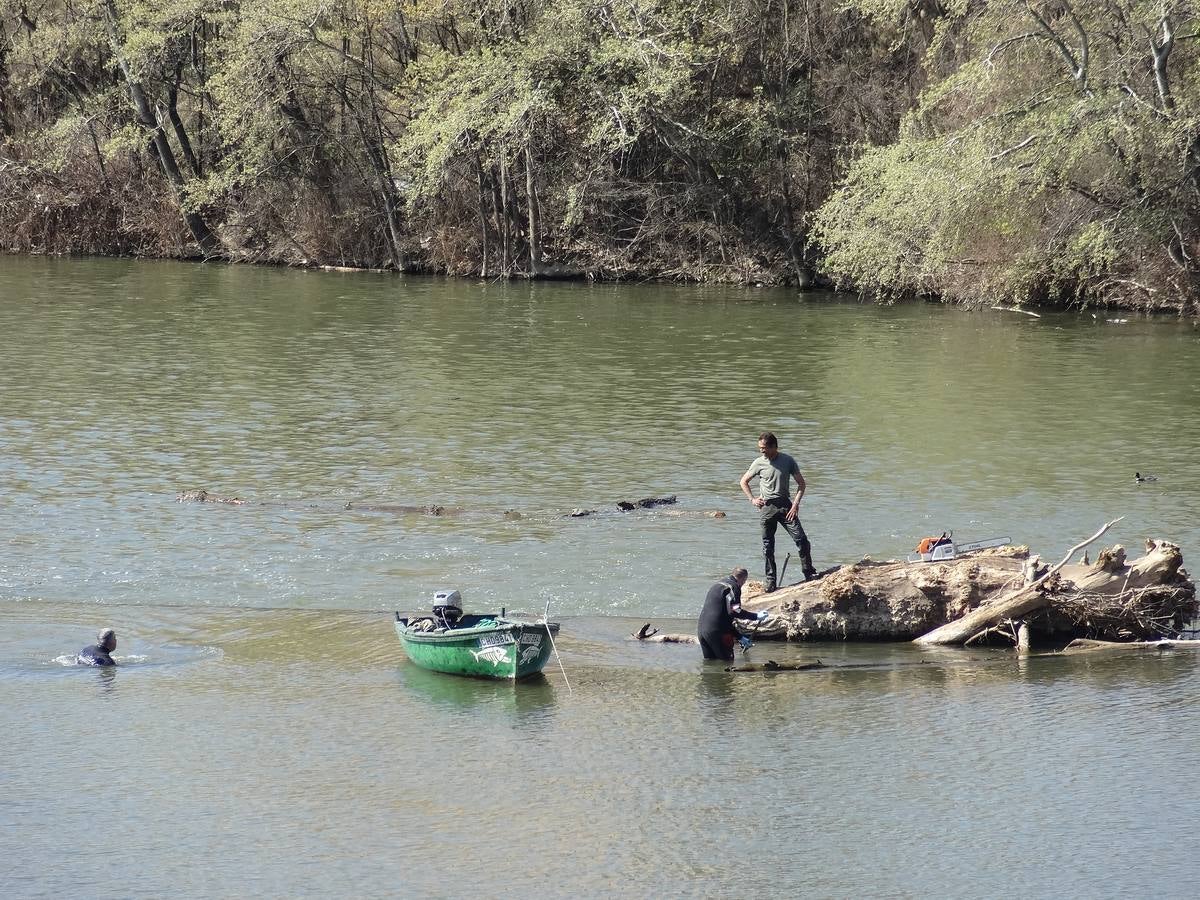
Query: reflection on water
{"points": [[530, 698]]}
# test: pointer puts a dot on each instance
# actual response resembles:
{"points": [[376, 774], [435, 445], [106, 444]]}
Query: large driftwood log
{"points": [[899, 601], [1024, 600], [883, 601]]}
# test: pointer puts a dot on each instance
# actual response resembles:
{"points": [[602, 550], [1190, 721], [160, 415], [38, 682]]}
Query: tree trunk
{"points": [[149, 120], [377, 155], [535, 240], [505, 231], [371, 133], [95, 148], [1012, 606], [185, 144], [804, 275], [5, 125], [483, 228]]}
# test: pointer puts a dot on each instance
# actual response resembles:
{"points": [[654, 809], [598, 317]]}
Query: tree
{"points": [[1058, 160], [158, 40]]}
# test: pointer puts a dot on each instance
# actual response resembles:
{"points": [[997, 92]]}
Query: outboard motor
{"points": [[447, 608]]}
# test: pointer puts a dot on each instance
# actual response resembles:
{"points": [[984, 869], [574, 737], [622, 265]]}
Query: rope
{"points": [[554, 647]]}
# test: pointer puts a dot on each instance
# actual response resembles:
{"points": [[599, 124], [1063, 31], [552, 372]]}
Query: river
{"points": [[264, 733]]}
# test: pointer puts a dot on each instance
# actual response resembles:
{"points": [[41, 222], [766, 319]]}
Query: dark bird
{"points": [[1142, 479]]}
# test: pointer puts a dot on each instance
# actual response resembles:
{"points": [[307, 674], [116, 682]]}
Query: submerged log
{"points": [[645, 503], [651, 636], [437, 510], [206, 497], [1085, 645], [968, 595], [771, 666]]}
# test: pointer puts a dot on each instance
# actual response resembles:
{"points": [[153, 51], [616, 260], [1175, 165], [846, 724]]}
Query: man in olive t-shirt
{"points": [[775, 471]]}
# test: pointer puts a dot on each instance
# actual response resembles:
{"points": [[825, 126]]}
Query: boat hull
{"points": [[497, 648]]}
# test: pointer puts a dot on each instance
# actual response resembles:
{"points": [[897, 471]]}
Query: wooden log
{"points": [[1021, 603], [901, 601], [771, 666], [1017, 309], [1023, 637], [882, 600], [1025, 600], [1110, 574], [651, 636], [1085, 645]]}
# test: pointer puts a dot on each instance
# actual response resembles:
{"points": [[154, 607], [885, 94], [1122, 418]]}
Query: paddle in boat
{"points": [[484, 646]]}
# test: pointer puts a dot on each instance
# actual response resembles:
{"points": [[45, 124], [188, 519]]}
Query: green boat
{"points": [[483, 646]]}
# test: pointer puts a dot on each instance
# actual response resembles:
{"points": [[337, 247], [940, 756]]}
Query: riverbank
{"points": [[127, 211], [812, 282]]}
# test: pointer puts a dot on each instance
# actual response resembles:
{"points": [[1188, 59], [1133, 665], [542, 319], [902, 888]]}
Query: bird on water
{"points": [[1143, 479]]}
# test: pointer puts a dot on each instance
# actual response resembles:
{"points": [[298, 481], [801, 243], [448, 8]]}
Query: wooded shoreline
{"points": [[819, 285], [1045, 154]]}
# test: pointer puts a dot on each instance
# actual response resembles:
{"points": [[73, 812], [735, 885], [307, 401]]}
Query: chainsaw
{"points": [[945, 547]]}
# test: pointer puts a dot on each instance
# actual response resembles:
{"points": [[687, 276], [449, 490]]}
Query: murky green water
{"points": [[265, 734]]}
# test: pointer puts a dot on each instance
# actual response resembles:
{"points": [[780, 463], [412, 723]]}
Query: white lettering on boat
{"points": [[494, 655], [496, 640], [534, 638]]}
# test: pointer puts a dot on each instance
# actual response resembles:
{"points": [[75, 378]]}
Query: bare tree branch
{"points": [[1160, 52], [1008, 42], [1076, 66], [1143, 101], [1021, 146]]}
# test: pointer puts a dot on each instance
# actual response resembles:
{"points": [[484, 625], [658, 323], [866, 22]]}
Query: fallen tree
{"points": [[1032, 595], [1084, 645], [1001, 594]]}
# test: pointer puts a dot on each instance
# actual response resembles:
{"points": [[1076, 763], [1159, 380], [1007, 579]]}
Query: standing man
{"points": [[723, 604], [774, 471]]}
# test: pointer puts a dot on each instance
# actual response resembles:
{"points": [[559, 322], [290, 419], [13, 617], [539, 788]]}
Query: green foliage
{"points": [[967, 149], [1035, 169]]}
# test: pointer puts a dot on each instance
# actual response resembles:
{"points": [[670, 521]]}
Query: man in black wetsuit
{"points": [[722, 605], [100, 653]]}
